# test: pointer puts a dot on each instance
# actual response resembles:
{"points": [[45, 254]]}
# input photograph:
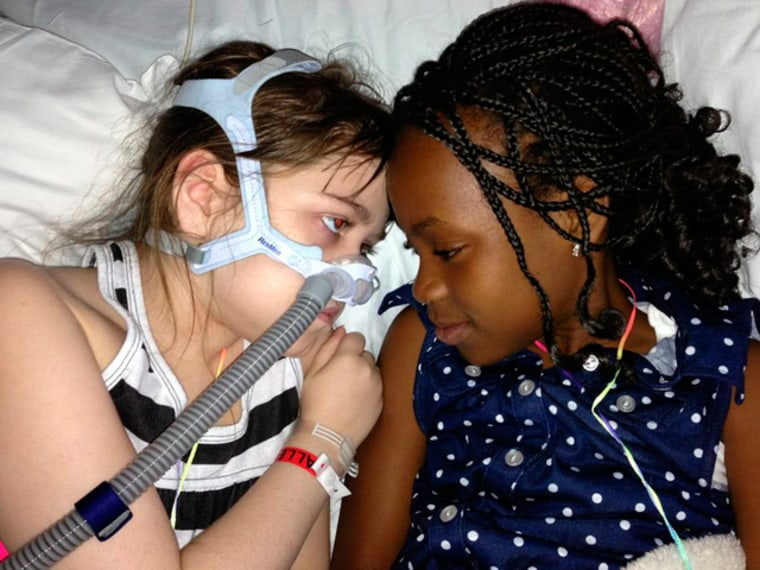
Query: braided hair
{"points": [[572, 97]]}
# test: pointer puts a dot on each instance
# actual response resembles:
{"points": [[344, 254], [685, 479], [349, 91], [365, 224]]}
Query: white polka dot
{"points": [[446, 545], [567, 511], [447, 370], [690, 350], [681, 516], [518, 541], [473, 536], [696, 321], [436, 397], [440, 426], [562, 551], [696, 418], [464, 482], [618, 475], [420, 537], [553, 410], [550, 520], [699, 453], [728, 341], [553, 488], [499, 419], [591, 540], [439, 474], [652, 425], [625, 525], [640, 507], [570, 440], [471, 383], [572, 406], [723, 369], [686, 495], [669, 476], [451, 457], [604, 566], [597, 498]]}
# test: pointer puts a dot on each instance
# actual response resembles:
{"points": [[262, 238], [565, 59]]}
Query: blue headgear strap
{"points": [[229, 102]]}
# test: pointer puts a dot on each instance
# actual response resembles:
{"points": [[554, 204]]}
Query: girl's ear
{"points": [[200, 187], [597, 222]]}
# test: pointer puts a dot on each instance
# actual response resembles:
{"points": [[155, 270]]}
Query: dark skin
{"points": [[463, 252]]}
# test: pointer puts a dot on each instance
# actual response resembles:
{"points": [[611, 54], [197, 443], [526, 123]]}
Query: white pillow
{"points": [[64, 112]]}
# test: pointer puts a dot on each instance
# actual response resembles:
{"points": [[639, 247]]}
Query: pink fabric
{"points": [[646, 15], [3, 552]]}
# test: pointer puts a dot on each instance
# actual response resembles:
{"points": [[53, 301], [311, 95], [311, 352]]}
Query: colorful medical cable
{"points": [[193, 450]]}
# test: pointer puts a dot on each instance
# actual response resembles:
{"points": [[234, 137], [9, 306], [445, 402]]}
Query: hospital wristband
{"points": [[318, 466], [345, 448]]}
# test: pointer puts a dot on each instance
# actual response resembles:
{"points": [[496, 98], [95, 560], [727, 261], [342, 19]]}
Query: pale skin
{"points": [[463, 252], [59, 432]]}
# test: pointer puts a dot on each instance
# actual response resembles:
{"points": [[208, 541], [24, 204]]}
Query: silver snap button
{"points": [[472, 370], [626, 404], [526, 387], [448, 513], [591, 363], [514, 457]]}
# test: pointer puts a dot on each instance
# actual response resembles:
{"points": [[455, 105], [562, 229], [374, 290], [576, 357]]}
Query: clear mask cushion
{"points": [[229, 103]]}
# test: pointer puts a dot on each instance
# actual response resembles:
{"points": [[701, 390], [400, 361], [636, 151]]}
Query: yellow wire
{"points": [[193, 450]]}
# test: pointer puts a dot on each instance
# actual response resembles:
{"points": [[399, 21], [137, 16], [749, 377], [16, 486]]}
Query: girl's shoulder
{"points": [[50, 301]]}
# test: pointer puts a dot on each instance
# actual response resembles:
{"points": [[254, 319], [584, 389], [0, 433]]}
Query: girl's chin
{"points": [[311, 341]]}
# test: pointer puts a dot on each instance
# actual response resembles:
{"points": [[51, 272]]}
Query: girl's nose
{"points": [[427, 286]]}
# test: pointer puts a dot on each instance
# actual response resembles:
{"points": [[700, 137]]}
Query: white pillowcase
{"points": [[65, 112]]}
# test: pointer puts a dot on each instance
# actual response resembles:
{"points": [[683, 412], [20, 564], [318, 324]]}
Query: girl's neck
{"points": [[178, 310], [608, 292]]}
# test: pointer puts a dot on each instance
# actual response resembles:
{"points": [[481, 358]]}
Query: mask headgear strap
{"points": [[229, 102]]}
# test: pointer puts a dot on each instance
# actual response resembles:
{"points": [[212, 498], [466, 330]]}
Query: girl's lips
{"points": [[452, 334], [329, 314]]}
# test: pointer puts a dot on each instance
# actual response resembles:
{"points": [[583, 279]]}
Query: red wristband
{"points": [[297, 456], [318, 466]]}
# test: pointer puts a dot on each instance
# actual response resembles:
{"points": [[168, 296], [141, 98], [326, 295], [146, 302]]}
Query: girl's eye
{"points": [[446, 254], [335, 225]]}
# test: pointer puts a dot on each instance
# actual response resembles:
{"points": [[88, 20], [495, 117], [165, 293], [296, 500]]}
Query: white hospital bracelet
{"points": [[345, 449]]}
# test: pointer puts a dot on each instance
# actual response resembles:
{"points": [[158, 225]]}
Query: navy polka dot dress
{"points": [[520, 475]]}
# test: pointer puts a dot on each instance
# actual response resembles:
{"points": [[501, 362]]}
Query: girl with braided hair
{"points": [[567, 388]]}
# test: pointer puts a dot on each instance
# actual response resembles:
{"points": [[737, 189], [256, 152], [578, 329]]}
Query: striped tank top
{"points": [[148, 397]]}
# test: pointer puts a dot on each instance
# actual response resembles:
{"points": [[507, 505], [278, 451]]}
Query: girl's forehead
{"points": [[428, 185]]}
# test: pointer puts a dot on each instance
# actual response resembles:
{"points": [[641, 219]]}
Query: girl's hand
{"points": [[342, 388]]}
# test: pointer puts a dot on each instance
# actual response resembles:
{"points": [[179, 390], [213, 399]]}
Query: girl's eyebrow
{"points": [[426, 224], [360, 211]]}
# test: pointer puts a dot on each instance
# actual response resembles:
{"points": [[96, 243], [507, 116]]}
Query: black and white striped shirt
{"points": [[148, 397]]}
